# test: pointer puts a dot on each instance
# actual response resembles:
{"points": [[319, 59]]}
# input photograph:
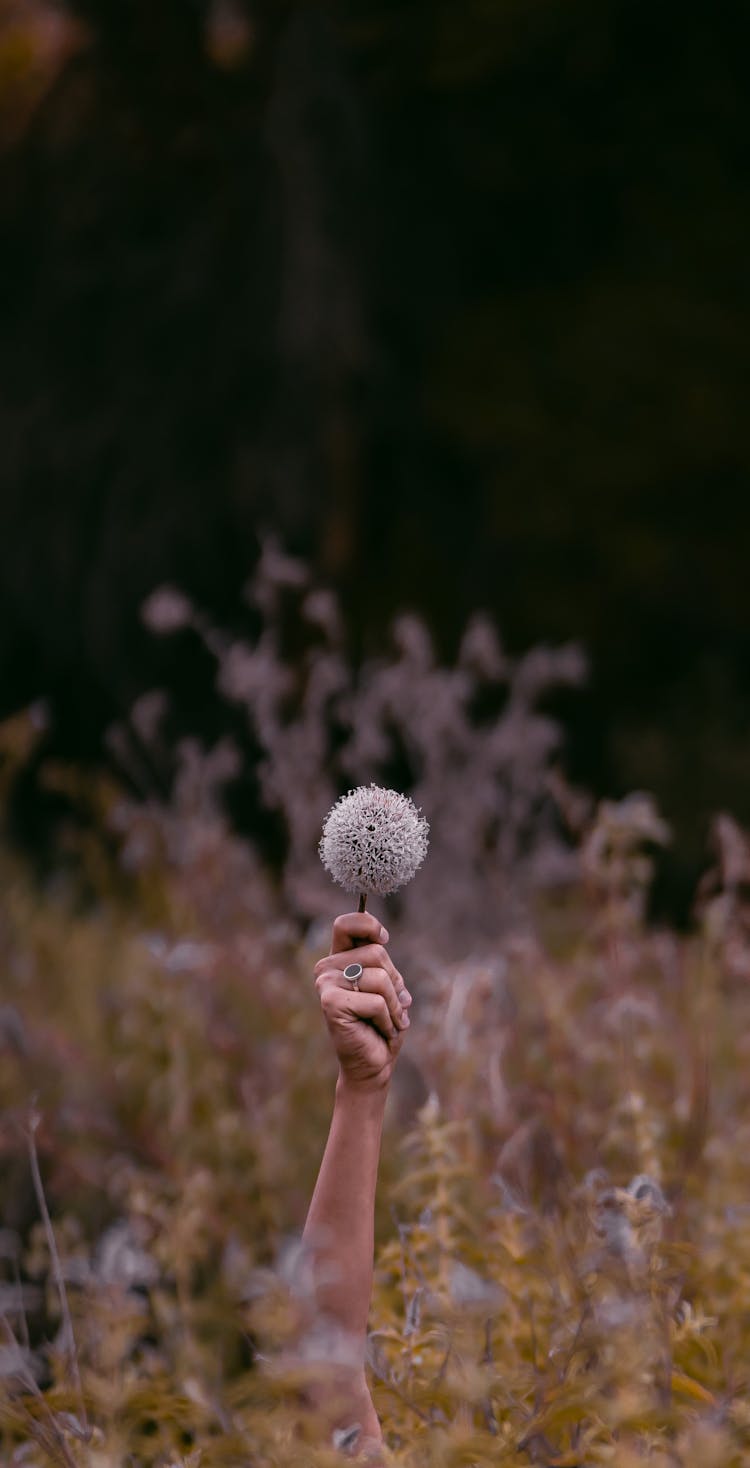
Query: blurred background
{"points": [[372, 382], [452, 299]]}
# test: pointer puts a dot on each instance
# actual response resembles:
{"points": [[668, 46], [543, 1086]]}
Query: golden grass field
{"points": [[562, 1271]]}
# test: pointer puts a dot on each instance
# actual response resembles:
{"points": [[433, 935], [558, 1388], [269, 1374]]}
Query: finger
{"points": [[351, 929], [372, 955], [377, 981], [371, 981], [340, 1008]]}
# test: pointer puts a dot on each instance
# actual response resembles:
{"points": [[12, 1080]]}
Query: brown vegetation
{"points": [[562, 1256]]}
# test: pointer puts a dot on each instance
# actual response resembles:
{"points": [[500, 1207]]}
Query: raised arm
{"points": [[367, 1027]]}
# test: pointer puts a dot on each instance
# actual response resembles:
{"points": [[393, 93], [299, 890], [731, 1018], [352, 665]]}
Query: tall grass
{"points": [[563, 1251]]}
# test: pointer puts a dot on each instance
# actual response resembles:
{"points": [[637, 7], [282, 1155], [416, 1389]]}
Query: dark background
{"points": [[452, 296]]}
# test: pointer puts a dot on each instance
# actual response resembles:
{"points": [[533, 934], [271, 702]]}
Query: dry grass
{"points": [[563, 1252]]}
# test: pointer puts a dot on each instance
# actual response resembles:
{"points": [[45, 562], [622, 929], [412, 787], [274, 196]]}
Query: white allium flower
{"points": [[374, 840]]}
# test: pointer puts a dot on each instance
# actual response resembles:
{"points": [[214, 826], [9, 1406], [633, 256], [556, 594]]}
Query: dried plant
{"points": [[470, 743], [562, 1249]]}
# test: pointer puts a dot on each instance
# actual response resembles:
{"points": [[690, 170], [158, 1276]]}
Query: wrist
{"points": [[369, 1095]]}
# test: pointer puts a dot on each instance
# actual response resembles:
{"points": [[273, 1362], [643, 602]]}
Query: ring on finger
{"points": [[353, 973]]}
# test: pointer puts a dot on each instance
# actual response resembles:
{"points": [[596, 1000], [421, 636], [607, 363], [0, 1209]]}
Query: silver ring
{"points": [[353, 973]]}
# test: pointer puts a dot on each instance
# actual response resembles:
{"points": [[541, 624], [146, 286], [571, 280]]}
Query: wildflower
{"points": [[374, 840], [630, 1220], [275, 574], [322, 610], [481, 651], [166, 610], [148, 713]]}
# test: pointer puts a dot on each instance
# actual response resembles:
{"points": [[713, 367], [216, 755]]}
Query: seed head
{"points": [[374, 840]]}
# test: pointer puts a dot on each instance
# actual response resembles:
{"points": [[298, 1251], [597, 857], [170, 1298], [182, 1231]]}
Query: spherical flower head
{"points": [[374, 840]]}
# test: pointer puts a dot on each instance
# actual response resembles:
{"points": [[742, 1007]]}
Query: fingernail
{"points": [[384, 935], [405, 1021], [405, 997]]}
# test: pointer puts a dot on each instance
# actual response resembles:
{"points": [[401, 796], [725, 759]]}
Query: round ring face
{"points": [[353, 972]]}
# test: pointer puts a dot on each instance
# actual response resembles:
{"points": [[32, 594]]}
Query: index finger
{"points": [[353, 928]]}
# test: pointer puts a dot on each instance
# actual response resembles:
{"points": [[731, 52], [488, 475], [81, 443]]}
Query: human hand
{"points": [[367, 1025]]}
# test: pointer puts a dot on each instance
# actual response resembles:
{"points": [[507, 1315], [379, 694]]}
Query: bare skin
{"points": [[367, 1029]]}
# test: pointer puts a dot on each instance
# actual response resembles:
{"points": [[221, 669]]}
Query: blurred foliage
{"points": [[562, 1252], [453, 297], [474, 743]]}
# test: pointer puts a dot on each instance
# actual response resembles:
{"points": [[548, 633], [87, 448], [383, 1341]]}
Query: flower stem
{"points": [[362, 902]]}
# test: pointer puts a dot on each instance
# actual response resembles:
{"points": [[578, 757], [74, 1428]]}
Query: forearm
{"points": [[367, 1016], [339, 1230]]}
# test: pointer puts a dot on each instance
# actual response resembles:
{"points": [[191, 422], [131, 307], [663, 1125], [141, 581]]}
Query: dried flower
{"points": [[374, 840]]}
